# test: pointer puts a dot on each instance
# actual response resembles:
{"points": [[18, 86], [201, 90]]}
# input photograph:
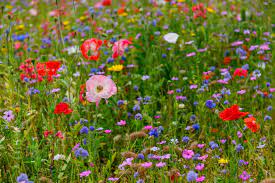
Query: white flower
{"points": [[72, 50], [59, 156], [171, 37]]}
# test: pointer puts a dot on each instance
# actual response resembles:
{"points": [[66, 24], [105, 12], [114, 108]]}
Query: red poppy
{"points": [[90, 49], [52, 67], [226, 60], [232, 113], [106, 2], [240, 72], [62, 108], [251, 124]]}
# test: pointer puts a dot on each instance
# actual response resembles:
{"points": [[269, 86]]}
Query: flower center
{"points": [[99, 88]]}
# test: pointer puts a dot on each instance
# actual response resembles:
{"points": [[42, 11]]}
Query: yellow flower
{"points": [[210, 10], [116, 68], [66, 23], [20, 27], [9, 6], [82, 18], [223, 161], [123, 14], [181, 1]]}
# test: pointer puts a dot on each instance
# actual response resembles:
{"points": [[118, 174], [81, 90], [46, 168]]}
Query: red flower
{"points": [[232, 113], [251, 124], [90, 49], [59, 135], [106, 2], [240, 72], [199, 11], [52, 67], [47, 133], [62, 108]]}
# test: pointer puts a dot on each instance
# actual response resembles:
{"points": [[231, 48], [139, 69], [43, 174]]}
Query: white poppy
{"points": [[171, 37]]}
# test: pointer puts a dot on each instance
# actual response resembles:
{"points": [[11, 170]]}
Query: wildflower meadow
{"points": [[137, 91]]}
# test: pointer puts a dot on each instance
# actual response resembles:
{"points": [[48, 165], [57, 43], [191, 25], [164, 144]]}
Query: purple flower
{"points": [[8, 116], [244, 176]]}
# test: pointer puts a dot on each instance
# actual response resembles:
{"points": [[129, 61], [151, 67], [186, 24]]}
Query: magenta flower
{"points": [[107, 131], [98, 87], [244, 176], [85, 173], [187, 154], [200, 179]]}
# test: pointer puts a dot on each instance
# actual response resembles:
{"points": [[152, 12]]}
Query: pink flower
{"points": [[121, 123], [201, 146], [113, 179], [107, 131], [191, 54], [170, 92], [119, 47], [160, 164], [98, 87], [85, 173], [187, 154], [199, 166], [148, 127], [200, 179], [203, 157], [147, 164]]}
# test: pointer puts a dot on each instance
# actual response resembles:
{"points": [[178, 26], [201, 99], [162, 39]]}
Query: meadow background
{"points": [[163, 124]]}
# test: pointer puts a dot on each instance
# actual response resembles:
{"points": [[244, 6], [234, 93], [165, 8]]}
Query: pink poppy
{"points": [[119, 47], [90, 49], [98, 87]]}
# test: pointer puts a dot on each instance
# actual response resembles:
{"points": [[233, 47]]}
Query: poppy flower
{"points": [[90, 49], [100, 87], [240, 72], [251, 124], [119, 47], [232, 113], [62, 108]]}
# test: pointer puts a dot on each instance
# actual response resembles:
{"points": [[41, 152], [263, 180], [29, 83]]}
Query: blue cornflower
{"points": [[140, 156], [84, 129], [196, 126], [136, 107], [191, 176], [239, 147], [154, 132], [185, 139], [81, 152], [138, 116], [92, 128], [210, 104]]}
